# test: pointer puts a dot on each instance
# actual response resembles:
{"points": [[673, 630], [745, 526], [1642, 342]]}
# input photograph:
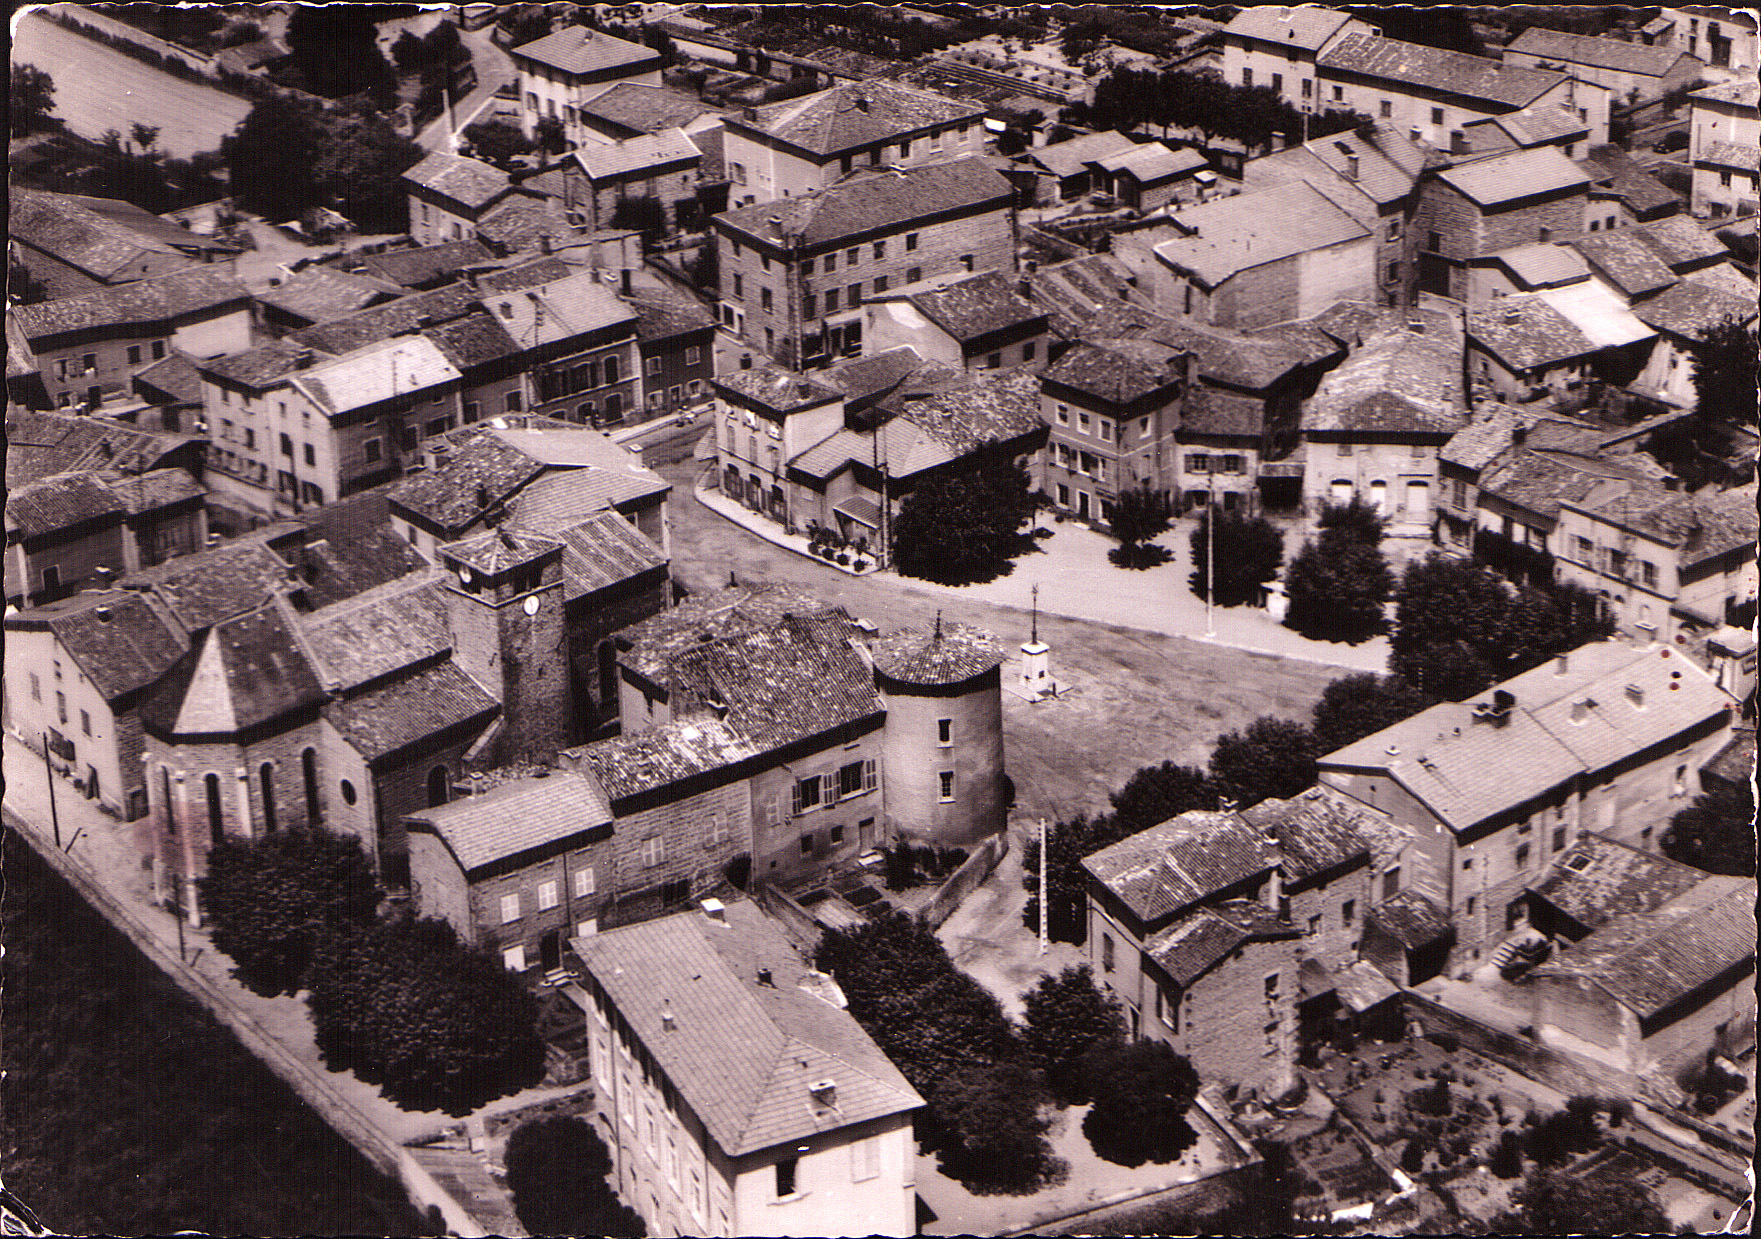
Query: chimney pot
{"points": [[764, 978], [1562, 666]]}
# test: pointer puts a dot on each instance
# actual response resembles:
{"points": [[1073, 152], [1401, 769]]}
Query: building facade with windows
{"points": [[1608, 738], [567, 67], [1724, 147], [518, 868], [975, 322], [449, 193], [675, 339], [794, 273], [798, 146], [739, 1097], [1278, 47], [1723, 37]]}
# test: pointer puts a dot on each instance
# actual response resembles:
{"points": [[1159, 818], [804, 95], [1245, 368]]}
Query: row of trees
{"points": [[402, 1003], [1128, 98], [988, 1079], [348, 158]]}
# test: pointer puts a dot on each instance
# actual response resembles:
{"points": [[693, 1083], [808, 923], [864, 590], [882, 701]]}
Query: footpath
{"points": [[96, 855]]}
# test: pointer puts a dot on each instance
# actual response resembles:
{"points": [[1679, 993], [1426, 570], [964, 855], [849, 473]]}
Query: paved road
{"points": [[494, 67], [98, 88]]}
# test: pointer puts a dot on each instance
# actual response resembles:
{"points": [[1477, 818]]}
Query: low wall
{"points": [[391, 1158], [964, 880], [796, 920], [1520, 1054]]}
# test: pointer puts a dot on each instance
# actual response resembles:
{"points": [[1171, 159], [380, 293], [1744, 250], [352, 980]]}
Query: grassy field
{"points": [[126, 1109]]}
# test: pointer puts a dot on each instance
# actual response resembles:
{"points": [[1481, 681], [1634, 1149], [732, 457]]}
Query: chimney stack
{"points": [[302, 359], [624, 282], [715, 910]]}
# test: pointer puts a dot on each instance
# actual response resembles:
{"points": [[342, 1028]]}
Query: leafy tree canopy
{"points": [[1141, 1094], [1140, 515], [33, 98], [991, 1131], [1356, 706], [1553, 1203], [352, 161], [1271, 758], [269, 898], [1716, 833], [335, 49], [964, 526], [1249, 552], [1156, 793], [1068, 1015], [556, 1173], [1724, 372], [496, 140]]}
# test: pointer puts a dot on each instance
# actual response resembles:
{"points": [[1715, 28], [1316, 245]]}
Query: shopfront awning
{"points": [[862, 510]]}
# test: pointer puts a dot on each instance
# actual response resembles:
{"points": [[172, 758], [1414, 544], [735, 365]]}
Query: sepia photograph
{"points": [[850, 619]]}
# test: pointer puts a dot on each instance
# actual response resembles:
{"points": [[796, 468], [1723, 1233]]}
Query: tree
{"points": [[361, 170], [1013, 140], [964, 525], [145, 136], [1140, 515], [1156, 793], [497, 141], [1554, 1203], [1068, 1016], [33, 98], [1724, 372], [1360, 705], [438, 1024], [276, 135], [1339, 582], [556, 1173], [335, 50], [990, 1131], [410, 52], [644, 215], [1272, 758], [1067, 895], [269, 898], [1716, 833], [1141, 1094], [551, 139], [1249, 551]]}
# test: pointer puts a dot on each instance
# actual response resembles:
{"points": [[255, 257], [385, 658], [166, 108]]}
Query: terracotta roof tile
{"points": [[1181, 861], [1597, 52], [1599, 878], [777, 388], [1475, 77], [1625, 261], [1411, 919], [1516, 174], [1230, 235], [159, 488], [640, 154], [160, 300], [872, 199], [478, 475], [1397, 381], [951, 654], [576, 49], [383, 322], [60, 502], [470, 182], [319, 294], [374, 634], [1073, 155], [970, 306], [1685, 308], [645, 108], [211, 585], [855, 114], [176, 376], [426, 264], [515, 817], [641, 761], [248, 670], [411, 708], [1314, 834], [604, 550], [1196, 943], [121, 640], [729, 611], [1525, 332], [40, 444]]}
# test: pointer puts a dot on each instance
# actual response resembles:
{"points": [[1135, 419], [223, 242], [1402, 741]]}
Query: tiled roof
{"points": [[1378, 177], [121, 640], [1090, 295], [1411, 919], [906, 449], [872, 199], [1073, 155], [644, 108], [211, 585], [521, 223], [474, 340], [259, 367], [516, 817], [1250, 362], [319, 294], [525, 275], [143, 301], [577, 448], [1743, 92], [742, 1052], [1647, 961], [39, 444], [1214, 411], [248, 670], [479, 475], [352, 560], [576, 49], [1624, 260], [175, 376], [1229, 235], [729, 611], [991, 408], [855, 114], [1481, 441], [559, 310], [374, 634], [1598, 312], [20, 361], [1686, 307], [1314, 833], [408, 709], [101, 235], [603, 550], [1538, 124], [1625, 176], [159, 488], [1540, 480], [1702, 525], [1544, 264], [1306, 26], [1396, 381], [470, 182], [1599, 878], [777, 388], [1735, 762], [1600, 53], [1740, 155], [971, 306], [1154, 162], [378, 372], [1465, 770], [1118, 370], [60, 501], [638, 154], [1515, 174], [382, 322], [1525, 332], [1181, 861], [641, 761], [898, 370], [1473, 77], [951, 654], [564, 496], [1196, 943], [1680, 242], [496, 550], [415, 267], [662, 313]]}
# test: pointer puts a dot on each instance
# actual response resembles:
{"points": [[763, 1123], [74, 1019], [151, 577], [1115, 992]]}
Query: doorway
{"points": [[550, 951]]}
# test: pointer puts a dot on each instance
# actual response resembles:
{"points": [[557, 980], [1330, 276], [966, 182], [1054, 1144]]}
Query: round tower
{"points": [[943, 752]]}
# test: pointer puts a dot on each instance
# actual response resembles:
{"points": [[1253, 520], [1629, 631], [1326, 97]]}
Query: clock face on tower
{"points": [[531, 605], [464, 576]]}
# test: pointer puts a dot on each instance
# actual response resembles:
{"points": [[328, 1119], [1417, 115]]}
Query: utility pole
{"points": [[49, 776], [1045, 893], [1211, 548]]}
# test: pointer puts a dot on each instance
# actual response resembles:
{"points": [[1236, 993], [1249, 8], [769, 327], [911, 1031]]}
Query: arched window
{"points": [[439, 786], [614, 407], [309, 764], [266, 778], [216, 828], [165, 800], [348, 792]]}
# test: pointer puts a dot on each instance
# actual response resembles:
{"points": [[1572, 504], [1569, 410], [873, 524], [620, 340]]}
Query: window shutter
{"points": [[869, 779], [829, 786], [795, 800], [584, 883], [770, 812]]}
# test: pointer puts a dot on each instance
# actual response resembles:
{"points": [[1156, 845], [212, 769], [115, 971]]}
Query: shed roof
{"points": [[872, 199], [1314, 833], [39, 444], [735, 1019], [1515, 174], [1181, 861], [174, 376], [516, 816], [214, 584], [579, 49], [1152, 162], [1118, 370], [1073, 155], [1599, 878], [470, 182], [646, 151], [1227, 235], [604, 550], [373, 634], [1543, 264]]}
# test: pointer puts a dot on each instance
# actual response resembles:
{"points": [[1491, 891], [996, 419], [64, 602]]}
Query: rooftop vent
{"points": [[302, 358], [1393, 750], [1562, 665], [862, 103], [765, 978], [668, 1020], [104, 615], [1636, 695], [825, 1092], [1497, 711], [715, 910]]}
